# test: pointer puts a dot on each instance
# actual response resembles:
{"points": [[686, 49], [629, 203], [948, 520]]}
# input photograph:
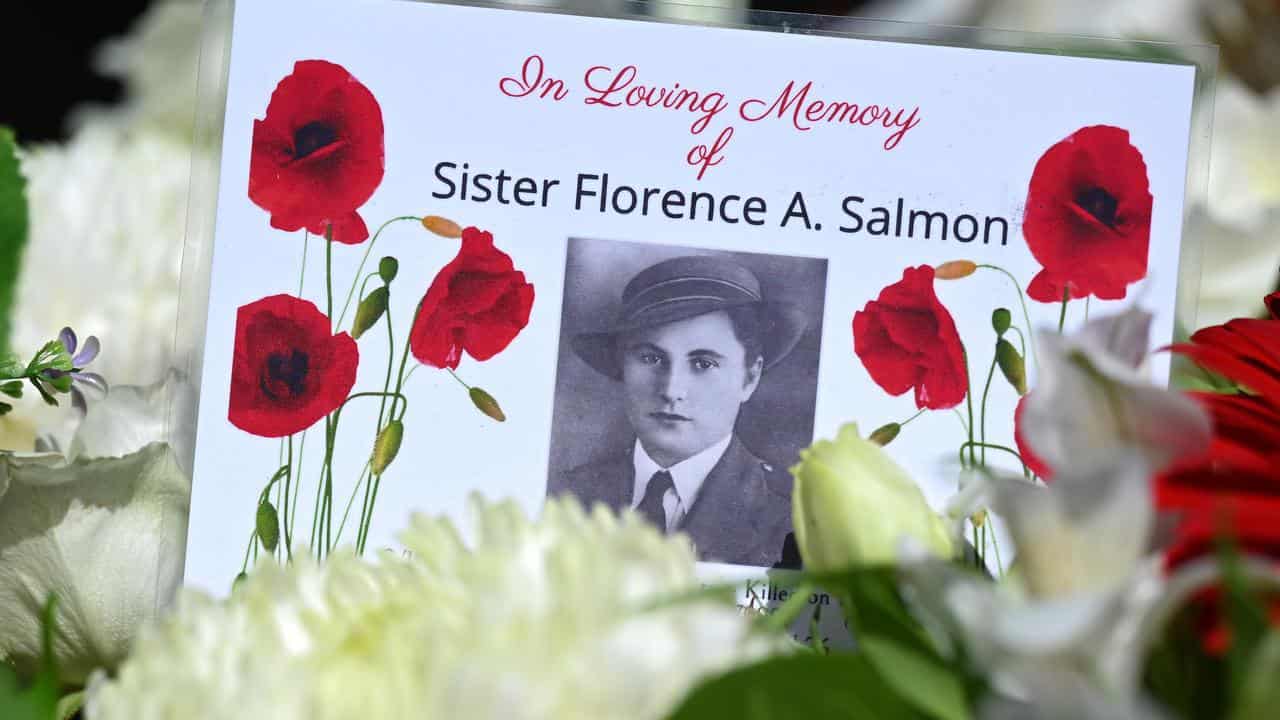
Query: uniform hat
{"points": [[685, 287]]}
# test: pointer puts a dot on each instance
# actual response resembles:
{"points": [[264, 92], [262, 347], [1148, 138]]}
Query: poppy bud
{"points": [[885, 434], [955, 269], [268, 525], [444, 227], [370, 311], [1012, 365], [486, 404], [387, 269], [386, 446], [1001, 320]]}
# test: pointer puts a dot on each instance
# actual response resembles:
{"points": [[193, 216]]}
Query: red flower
{"points": [[1235, 485], [1088, 217], [478, 302], [288, 370], [907, 339], [317, 155], [1033, 461]]}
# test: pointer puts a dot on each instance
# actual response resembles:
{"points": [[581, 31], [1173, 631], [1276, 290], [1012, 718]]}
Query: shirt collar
{"points": [[687, 475]]}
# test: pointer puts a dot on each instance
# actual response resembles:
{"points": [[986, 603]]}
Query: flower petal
{"points": [[106, 536]]}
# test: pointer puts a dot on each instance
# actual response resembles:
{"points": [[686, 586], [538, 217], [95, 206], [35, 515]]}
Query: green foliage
{"points": [[895, 670], [803, 686], [13, 229], [1259, 696], [39, 699]]}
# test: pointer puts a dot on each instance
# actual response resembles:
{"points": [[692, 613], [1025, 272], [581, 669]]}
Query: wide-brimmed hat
{"points": [[685, 287]]}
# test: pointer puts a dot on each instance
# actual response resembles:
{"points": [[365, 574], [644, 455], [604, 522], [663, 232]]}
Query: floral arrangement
{"points": [[1143, 580]]}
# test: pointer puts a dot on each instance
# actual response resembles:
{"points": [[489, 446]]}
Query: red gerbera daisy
{"points": [[1235, 486]]}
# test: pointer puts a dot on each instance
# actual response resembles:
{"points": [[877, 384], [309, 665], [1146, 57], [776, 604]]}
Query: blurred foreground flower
{"points": [[102, 527], [546, 619], [1232, 489], [1082, 542], [853, 505]]}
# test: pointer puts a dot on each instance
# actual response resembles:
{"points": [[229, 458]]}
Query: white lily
{"points": [[1082, 543], [102, 527], [1093, 400]]}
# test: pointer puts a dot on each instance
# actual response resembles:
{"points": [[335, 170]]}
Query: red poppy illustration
{"points": [[318, 154], [1088, 217], [478, 303], [1029, 457], [288, 369], [907, 339]]}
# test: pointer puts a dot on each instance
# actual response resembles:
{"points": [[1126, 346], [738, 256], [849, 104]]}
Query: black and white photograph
{"points": [[685, 388]]}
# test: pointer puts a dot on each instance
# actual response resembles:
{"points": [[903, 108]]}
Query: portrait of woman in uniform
{"points": [[686, 387]]}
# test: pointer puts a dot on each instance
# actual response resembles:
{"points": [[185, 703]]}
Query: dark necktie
{"points": [[650, 506]]}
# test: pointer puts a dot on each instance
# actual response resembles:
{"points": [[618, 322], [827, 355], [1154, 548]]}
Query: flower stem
{"points": [[297, 490], [983, 434], [993, 446], [366, 509], [913, 417], [968, 397], [468, 387], [995, 543], [284, 506], [367, 250], [1026, 317], [1062, 316], [352, 500]]}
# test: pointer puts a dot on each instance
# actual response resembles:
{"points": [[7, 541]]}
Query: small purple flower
{"points": [[79, 378]]}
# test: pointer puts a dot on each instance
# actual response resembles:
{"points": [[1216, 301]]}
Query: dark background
{"points": [[50, 52], [589, 420], [49, 56]]}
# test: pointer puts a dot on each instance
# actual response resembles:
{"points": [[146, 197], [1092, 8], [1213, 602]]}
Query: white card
{"points": [[747, 178]]}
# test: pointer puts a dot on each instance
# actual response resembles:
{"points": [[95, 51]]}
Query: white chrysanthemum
{"points": [[546, 619], [157, 61], [108, 217]]}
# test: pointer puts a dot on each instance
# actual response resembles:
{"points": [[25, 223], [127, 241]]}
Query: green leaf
{"points": [[1246, 616], [13, 229], [69, 705], [48, 398], [871, 602], [1259, 697], [12, 388], [11, 366], [799, 687], [5, 408], [53, 356], [37, 702], [370, 311], [921, 679]]}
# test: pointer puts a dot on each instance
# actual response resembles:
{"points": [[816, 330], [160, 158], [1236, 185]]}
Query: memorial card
{"points": [[645, 264]]}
